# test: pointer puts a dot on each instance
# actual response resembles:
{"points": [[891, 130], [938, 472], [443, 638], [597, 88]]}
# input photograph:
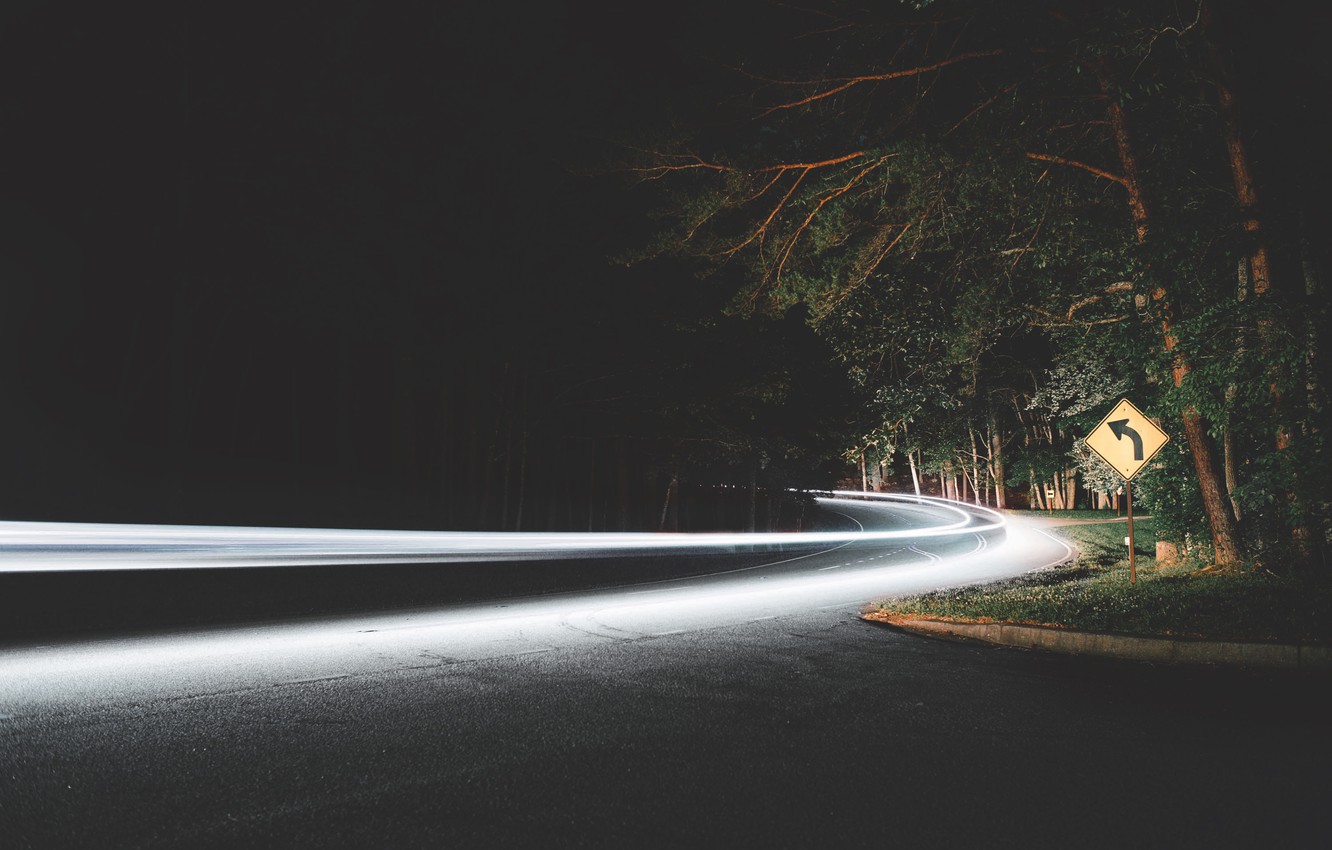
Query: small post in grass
{"points": [[1133, 569]]}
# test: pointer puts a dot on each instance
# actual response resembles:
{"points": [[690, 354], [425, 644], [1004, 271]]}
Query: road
{"points": [[751, 708]]}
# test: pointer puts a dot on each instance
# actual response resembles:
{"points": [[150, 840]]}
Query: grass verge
{"points": [[1092, 592]]}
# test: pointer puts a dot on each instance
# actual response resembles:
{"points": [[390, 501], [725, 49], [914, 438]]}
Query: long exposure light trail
{"points": [[51, 678], [52, 546]]}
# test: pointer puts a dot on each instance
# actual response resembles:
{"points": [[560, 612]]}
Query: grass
{"points": [[1092, 592], [1079, 514]]}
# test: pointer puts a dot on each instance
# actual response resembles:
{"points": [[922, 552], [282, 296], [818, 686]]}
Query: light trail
{"points": [[57, 678], [53, 547]]}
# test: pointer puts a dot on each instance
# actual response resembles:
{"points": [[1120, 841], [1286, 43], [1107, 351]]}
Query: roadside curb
{"points": [[1162, 650]]}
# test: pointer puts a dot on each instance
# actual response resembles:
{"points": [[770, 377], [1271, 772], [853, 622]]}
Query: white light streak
{"points": [[60, 546], [54, 679]]}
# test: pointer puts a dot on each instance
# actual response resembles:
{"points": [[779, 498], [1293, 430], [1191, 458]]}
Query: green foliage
{"points": [[963, 241], [1167, 490]]}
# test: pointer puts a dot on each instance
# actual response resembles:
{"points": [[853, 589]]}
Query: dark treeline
{"points": [[338, 265]]}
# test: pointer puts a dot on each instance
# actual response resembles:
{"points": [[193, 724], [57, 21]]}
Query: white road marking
{"points": [[930, 555], [1068, 553]]}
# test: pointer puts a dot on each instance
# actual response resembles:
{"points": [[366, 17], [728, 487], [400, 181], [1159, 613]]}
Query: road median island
{"points": [[1175, 613]]}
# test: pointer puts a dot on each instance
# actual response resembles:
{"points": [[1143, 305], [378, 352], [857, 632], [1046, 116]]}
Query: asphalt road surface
{"points": [[751, 708]]}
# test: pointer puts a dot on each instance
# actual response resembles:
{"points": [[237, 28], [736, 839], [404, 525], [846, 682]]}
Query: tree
{"points": [[987, 201]]}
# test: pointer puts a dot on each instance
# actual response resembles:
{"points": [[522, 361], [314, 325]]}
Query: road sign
{"points": [[1126, 439]]}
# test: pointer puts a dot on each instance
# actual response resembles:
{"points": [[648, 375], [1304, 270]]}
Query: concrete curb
{"points": [[1162, 650]]}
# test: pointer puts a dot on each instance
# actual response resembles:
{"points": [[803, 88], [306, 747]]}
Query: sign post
{"points": [[1133, 550], [1126, 440]]}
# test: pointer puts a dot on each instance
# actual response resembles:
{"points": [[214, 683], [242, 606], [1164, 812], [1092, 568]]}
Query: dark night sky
{"points": [[221, 223]]}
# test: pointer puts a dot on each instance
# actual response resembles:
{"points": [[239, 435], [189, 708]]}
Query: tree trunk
{"points": [[506, 411], [1219, 517], [751, 521], [1229, 451], [592, 484], [522, 461], [1246, 194], [1230, 460], [975, 469], [487, 460], [997, 465], [666, 505], [1214, 501], [1315, 322], [475, 472], [346, 456]]}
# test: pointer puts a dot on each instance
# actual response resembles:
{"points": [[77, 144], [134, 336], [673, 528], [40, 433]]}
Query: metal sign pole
{"points": [[1133, 569]]}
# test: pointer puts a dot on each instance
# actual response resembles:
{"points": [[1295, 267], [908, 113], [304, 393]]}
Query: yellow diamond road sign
{"points": [[1126, 439]]}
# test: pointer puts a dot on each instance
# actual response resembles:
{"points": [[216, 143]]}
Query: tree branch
{"points": [[848, 82], [804, 168], [763, 228], [1099, 172], [1068, 320], [836, 193], [655, 172], [809, 165]]}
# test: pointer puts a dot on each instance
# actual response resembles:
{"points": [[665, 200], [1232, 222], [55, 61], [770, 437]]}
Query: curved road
{"points": [[746, 708]]}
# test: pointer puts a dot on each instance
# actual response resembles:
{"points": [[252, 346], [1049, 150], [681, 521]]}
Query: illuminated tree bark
{"points": [[1205, 462]]}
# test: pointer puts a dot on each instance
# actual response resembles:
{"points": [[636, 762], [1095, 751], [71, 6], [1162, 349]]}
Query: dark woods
{"points": [[341, 265]]}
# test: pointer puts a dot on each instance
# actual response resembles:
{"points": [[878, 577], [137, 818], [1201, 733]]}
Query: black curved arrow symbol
{"points": [[1120, 428]]}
